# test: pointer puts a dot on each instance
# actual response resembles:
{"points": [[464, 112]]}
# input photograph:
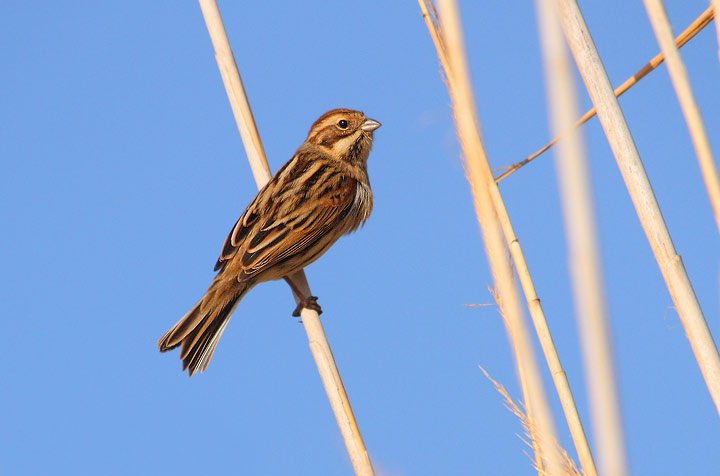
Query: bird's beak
{"points": [[369, 125]]}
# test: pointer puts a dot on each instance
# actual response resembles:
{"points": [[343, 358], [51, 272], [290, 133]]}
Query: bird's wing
{"points": [[303, 202], [238, 233]]}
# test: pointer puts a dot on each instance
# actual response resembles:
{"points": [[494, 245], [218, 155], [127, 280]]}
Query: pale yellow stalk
{"points": [[583, 248], [562, 386], [316, 336], [481, 179], [641, 194], [533, 302], [693, 29], [678, 76], [535, 442]]}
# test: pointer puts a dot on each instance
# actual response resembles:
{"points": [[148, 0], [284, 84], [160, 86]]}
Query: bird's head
{"points": [[345, 134]]}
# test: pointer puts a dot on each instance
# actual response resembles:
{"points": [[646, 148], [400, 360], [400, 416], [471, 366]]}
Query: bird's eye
{"points": [[342, 124]]}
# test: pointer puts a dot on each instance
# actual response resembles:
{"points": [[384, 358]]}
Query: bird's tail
{"points": [[200, 329]]}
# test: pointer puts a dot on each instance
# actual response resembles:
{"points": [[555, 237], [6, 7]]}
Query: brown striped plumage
{"points": [[322, 193]]}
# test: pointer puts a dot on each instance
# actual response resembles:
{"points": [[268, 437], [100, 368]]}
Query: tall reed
{"points": [[481, 180], [533, 301], [642, 195], [693, 29], [679, 78], [583, 248], [261, 171]]}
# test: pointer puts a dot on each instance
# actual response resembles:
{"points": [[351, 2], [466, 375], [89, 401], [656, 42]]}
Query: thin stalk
{"points": [[537, 314], [316, 336], [641, 193], [695, 27], [678, 76], [431, 20], [534, 441], [481, 179], [584, 257], [430, 16]]}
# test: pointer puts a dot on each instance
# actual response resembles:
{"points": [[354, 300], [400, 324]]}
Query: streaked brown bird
{"points": [[320, 194]]}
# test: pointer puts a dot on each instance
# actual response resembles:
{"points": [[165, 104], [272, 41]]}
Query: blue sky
{"points": [[123, 171]]}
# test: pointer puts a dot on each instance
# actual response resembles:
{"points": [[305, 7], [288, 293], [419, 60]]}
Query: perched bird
{"points": [[320, 194]]}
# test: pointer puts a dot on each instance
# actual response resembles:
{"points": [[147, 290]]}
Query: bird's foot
{"points": [[309, 302]]}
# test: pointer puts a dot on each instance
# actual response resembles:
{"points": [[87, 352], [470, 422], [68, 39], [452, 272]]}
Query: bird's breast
{"points": [[362, 204]]}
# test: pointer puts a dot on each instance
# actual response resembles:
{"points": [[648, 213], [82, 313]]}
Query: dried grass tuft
{"points": [[570, 468]]}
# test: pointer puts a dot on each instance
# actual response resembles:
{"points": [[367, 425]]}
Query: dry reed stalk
{"points": [[537, 314], [562, 386], [431, 20], [584, 257], [641, 194], [678, 76], [569, 466], [316, 336], [693, 29], [535, 443], [481, 179]]}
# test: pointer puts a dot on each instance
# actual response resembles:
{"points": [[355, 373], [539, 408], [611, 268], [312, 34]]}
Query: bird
{"points": [[320, 194]]}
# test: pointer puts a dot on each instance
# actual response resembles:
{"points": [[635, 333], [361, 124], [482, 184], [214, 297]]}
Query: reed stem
{"points": [[317, 340], [481, 181], [583, 248], [679, 78], [693, 29], [642, 195], [537, 314]]}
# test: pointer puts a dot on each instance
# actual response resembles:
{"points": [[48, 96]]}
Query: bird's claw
{"points": [[309, 302]]}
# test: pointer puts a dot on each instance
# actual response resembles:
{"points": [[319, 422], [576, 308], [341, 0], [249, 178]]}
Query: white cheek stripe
{"points": [[342, 144]]}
